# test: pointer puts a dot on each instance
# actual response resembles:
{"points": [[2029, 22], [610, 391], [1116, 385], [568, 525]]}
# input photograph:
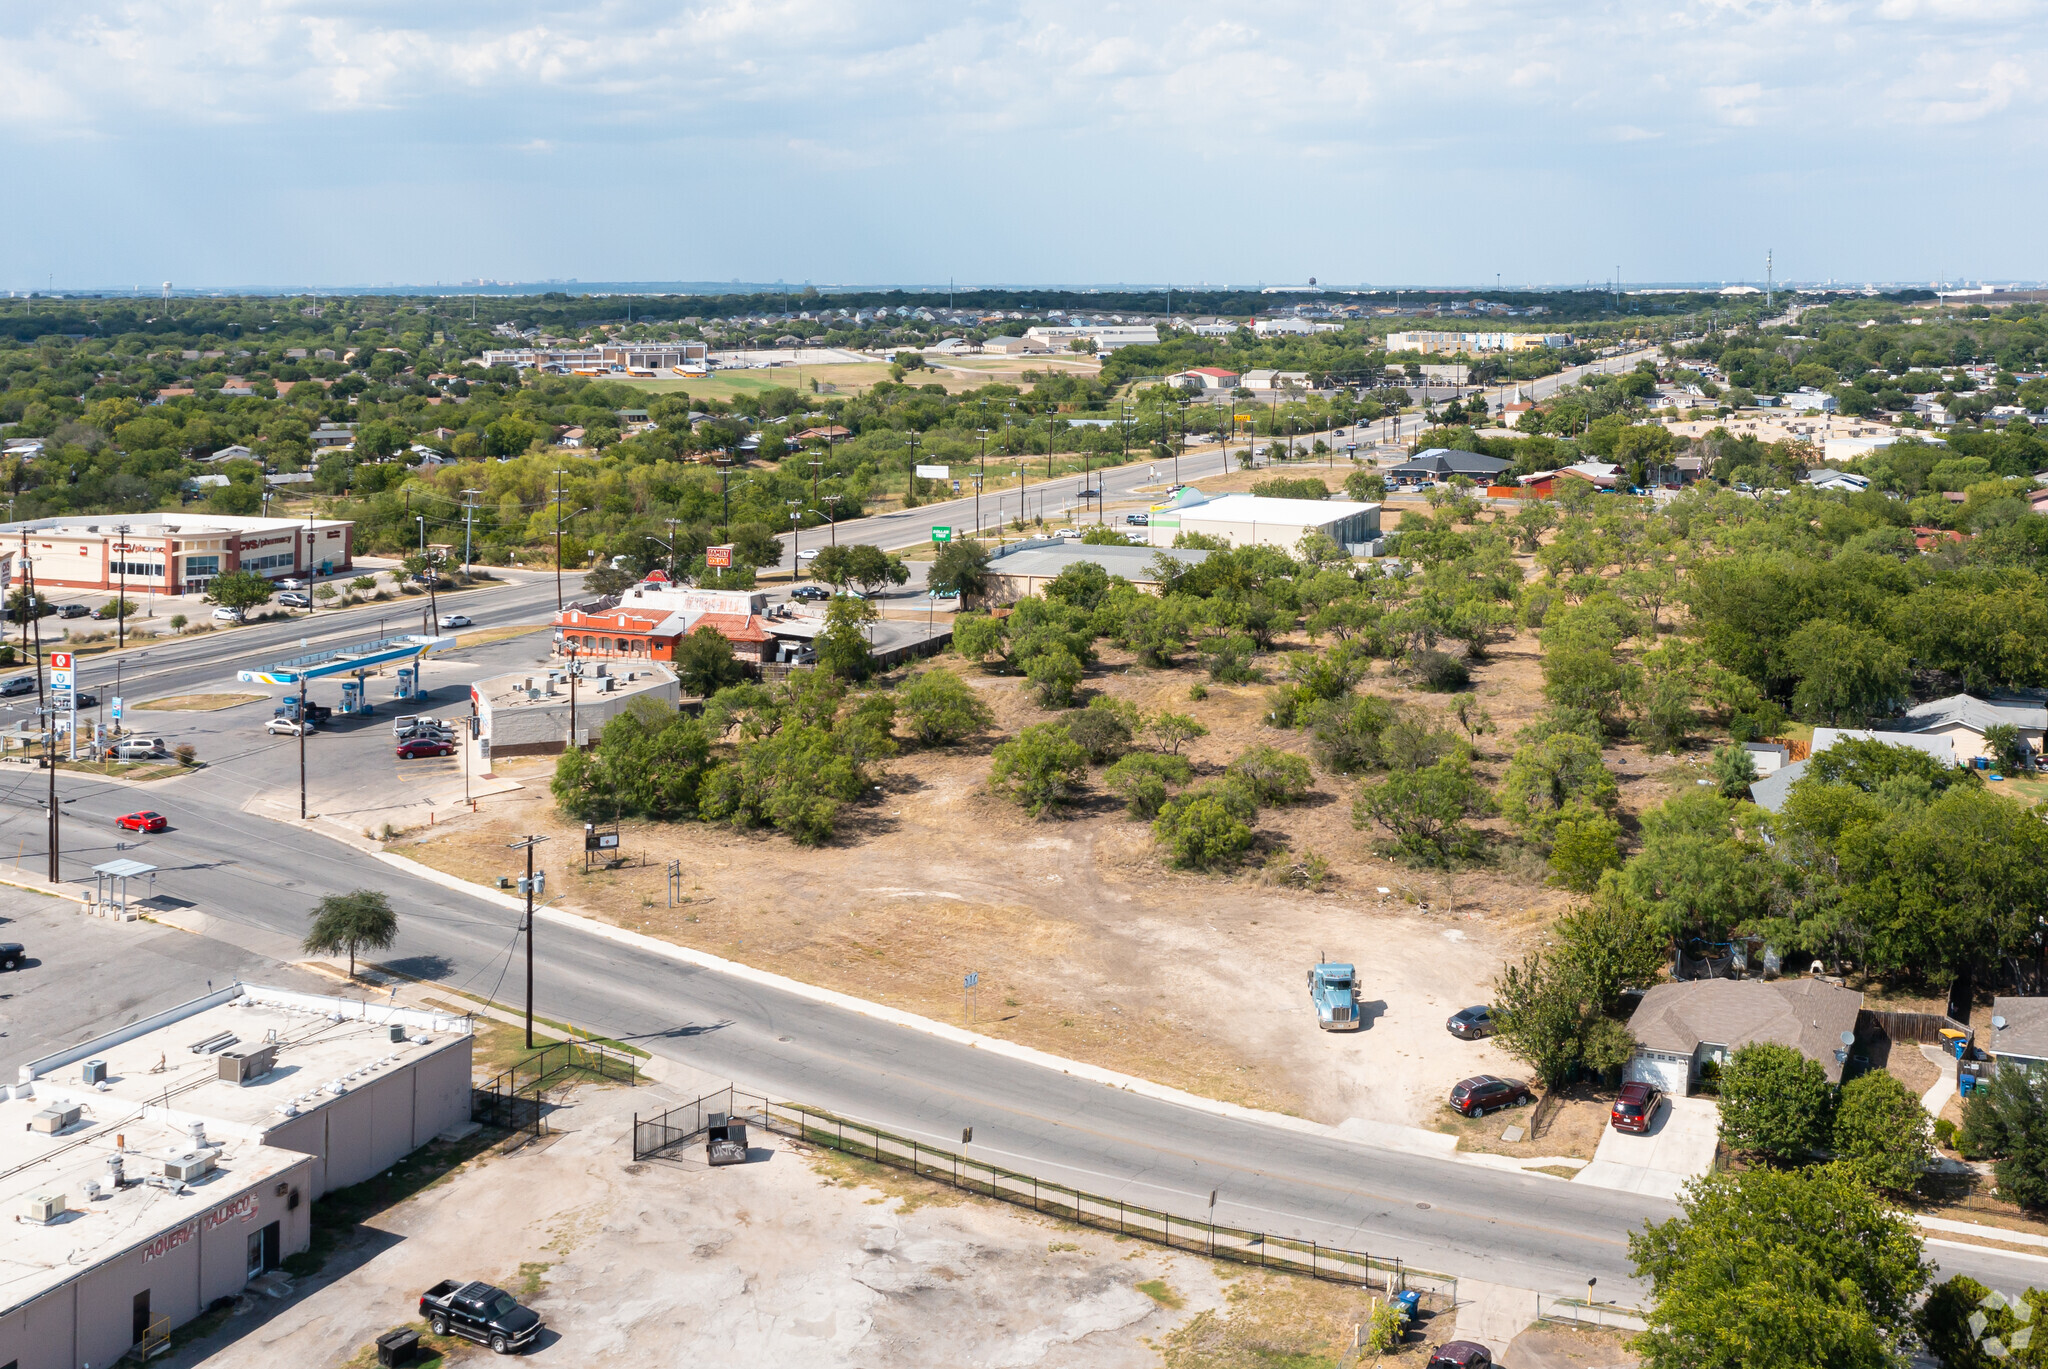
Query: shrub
{"points": [[187, 754], [1882, 1132], [1172, 729], [1734, 771], [1103, 729], [1042, 769], [941, 708], [1198, 691], [1945, 1133], [1272, 776], [1229, 658], [2007, 1120], [178, 621], [1140, 780], [1305, 871], [1206, 827], [1057, 673], [1440, 672]]}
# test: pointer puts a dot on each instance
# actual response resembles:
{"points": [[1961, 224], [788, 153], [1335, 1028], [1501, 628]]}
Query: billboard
{"points": [[720, 557], [934, 472]]}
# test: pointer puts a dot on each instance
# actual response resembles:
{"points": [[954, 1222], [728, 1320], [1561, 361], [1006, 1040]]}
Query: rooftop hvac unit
{"points": [[95, 1072], [189, 1166], [398, 1031], [52, 1120], [241, 1067], [43, 1208]]}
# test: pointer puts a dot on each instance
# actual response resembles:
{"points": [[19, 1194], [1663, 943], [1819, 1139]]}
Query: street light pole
{"points": [[121, 608], [302, 747]]}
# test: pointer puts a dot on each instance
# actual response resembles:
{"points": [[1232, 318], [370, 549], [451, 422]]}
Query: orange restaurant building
{"points": [[647, 621]]}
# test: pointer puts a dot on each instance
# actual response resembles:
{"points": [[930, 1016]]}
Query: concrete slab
{"points": [[1679, 1146], [1494, 1313]]}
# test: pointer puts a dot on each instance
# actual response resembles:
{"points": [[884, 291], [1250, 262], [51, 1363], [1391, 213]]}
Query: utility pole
{"points": [[468, 513], [558, 548], [527, 884], [46, 705], [302, 747], [121, 609]]}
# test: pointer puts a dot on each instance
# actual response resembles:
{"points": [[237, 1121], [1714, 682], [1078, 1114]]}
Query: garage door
{"points": [[1671, 1073]]}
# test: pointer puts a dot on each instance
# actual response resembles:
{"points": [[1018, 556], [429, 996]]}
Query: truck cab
{"points": [[1333, 988]]}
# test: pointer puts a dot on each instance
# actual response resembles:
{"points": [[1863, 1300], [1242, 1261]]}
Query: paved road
{"points": [[260, 877], [1001, 496]]}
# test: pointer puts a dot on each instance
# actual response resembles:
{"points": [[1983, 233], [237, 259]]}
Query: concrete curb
{"points": [[1372, 1135]]}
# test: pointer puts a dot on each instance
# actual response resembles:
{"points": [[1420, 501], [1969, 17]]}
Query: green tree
{"points": [[1103, 729], [1272, 776], [1775, 1102], [240, 590], [978, 636], [359, 920], [1693, 874], [1042, 769], [1175, 730], [1545, 1016], [649, 762], [961, 566], [2007, 746], [1882, 1132], [843, 645], [1140, 780], [704, 663], [1545, 777], [2007, 1120], [1207, 827], [1057, 674], [1734, 771], [1847, 675], [942, 708], [1425, 812], [1779, 1269], [1584, 846], [1608, 948], [1949, 1327]]}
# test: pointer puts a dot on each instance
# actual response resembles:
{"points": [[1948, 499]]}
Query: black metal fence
{"points": [[1264, 1250], [517, 1098]]}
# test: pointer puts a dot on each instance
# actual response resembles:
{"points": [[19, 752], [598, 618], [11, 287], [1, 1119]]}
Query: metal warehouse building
{"points": [[160, 1167], [1245, 520]]}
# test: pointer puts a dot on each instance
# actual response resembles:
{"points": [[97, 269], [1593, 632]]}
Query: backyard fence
{"points": [[1907, 1026], [665, 1132], [516, 1099]]}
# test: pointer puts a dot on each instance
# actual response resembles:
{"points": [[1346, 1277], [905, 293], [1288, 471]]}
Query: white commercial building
{"points": [[1106, 337], [158, 1169], [1244, 520]]}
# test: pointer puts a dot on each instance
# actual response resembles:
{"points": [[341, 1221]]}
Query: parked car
{"points": [[1635, 1107], [415, 747], [72, 610], [1460, 1354], [141, 822], [289, 727], [455, 620], [224, 614], [292, 598], [1471, 1023], [411, 721], [810, 594], [88, 699], [480, 1312], [135, 749], [12, 953], [292, 582], [319, 713], [1484, 1093], [19, 684]]}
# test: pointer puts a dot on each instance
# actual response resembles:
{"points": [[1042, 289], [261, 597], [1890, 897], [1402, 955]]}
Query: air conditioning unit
{"points": [[240, 1067], [95, 1072], [43, 1208], [52, 1120], [189, 1166]]}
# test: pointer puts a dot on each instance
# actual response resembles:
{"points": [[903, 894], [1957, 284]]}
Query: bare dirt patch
{"points": [[200, 703]]}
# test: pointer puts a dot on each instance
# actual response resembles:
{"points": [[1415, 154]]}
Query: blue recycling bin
{"points": [[1408, 1302]]}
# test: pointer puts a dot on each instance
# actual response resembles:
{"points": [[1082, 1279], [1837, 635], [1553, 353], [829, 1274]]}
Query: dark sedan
{"points": [[1471, 1023], [1481, 1094]]}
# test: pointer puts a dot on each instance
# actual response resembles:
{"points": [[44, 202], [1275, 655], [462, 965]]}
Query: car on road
{"points": [[292, 598], [72, 610], [88, 699], [1635, 1107], [12, 953], [141, 822], [134, 749], [289, 727], [19, 684], [1484, 1093], [1137, 520], [1460, 1354], [455, 620], [807, 555], [1471, 1023], [412, 748], [224, 614], [809, 594], [481, 1313]]}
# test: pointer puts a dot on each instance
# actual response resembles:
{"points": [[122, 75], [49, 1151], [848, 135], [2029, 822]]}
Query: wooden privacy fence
{"points": [[1907, 1026], [1260, 1249]]}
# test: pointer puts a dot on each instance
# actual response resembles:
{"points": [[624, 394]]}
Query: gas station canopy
{"points": [[346, 660]]}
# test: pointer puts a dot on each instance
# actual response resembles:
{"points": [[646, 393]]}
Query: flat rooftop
{"points": [[1247, 508], [633, 676], [183, 524], [1050, 558]]}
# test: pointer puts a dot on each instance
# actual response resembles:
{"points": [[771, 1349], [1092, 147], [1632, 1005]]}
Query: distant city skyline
{"points": [[307, 144]]}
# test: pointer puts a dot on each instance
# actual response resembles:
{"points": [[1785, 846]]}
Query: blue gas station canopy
{"points": [[345, 660]]}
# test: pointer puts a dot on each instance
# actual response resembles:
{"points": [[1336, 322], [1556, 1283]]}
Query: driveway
{"points": [[1679, 1146]]}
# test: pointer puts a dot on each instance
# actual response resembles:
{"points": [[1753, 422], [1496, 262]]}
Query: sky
{"points": [[316, 143]]}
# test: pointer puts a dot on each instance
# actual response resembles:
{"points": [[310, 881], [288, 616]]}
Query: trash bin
{"points": [[397, 1347], [1957, 1043], [1408, 1302]]}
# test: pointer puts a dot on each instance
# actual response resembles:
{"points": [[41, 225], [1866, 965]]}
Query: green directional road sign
{"points": [[942, 534]]}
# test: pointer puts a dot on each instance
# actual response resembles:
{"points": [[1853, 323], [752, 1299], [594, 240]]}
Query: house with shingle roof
{"points": [[1680, 1027], [1963, 718]]}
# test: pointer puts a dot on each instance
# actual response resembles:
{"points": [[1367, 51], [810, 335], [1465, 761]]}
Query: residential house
{"points": [[1604, 475], [1961, 719], [1440, 463], [2019, 1032], [1770, 791], [1511, 414], [1680, 1027], [234, 453], [332, 435], [1844, 481]]}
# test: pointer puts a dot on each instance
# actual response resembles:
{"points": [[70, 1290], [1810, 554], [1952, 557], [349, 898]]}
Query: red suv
{"points": [[1481, 1094], [1636, 1107]]}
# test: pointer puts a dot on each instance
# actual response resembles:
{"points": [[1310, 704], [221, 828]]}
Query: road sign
{"points": [[720, 557], [942, 534], [973, 978]]}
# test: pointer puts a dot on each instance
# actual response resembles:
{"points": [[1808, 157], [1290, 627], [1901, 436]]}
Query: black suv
{"points": [[1481, 1094]]}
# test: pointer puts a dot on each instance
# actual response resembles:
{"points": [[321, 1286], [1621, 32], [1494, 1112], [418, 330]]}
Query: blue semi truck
{"points": [[1333, 988]]}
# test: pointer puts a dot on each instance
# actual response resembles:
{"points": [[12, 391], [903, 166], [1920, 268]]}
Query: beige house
{"points": [[1680, 1027], [1962, 719]]}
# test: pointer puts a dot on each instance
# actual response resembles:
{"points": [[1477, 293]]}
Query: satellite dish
{"points": [[1848, 1038], [1998, 1023]]}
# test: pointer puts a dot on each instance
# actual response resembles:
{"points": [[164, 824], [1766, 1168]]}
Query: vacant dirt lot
{"points": [[1087, 944]]}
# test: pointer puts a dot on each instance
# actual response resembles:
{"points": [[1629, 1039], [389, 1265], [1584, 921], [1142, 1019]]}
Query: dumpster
{"points": [[725, 1141], [397, 1347]]}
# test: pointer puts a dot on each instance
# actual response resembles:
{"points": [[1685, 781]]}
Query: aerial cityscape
{"points": [[994, 686]]}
